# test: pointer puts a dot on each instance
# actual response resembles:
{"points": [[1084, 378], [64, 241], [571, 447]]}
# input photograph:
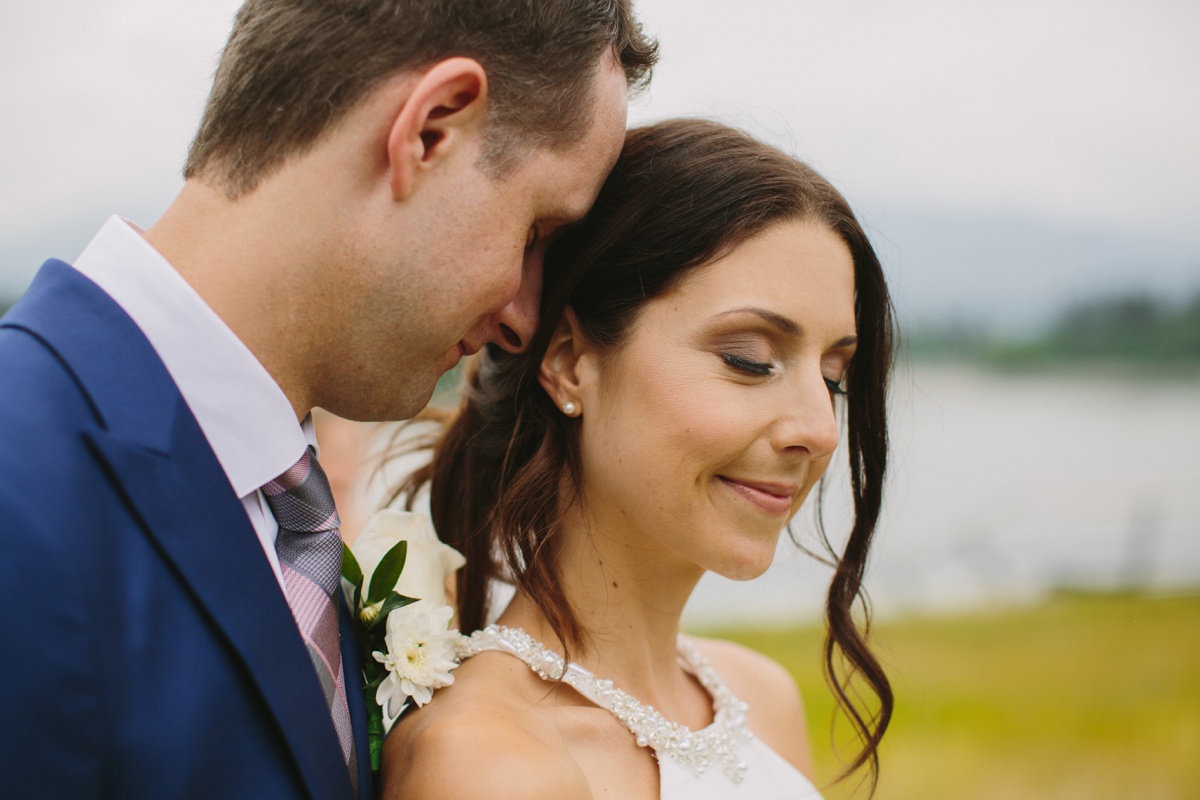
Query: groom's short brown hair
{"points": [[293, 68]]}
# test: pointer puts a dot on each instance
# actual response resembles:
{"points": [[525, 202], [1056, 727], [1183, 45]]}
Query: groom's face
{"points": [[478, 265]]}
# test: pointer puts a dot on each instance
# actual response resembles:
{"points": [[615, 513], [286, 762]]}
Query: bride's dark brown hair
{"points": [[683, 193]]}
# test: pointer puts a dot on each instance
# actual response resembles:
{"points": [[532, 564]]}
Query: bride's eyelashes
{"points": [[836, 388], [762, 369], [748, 366]]}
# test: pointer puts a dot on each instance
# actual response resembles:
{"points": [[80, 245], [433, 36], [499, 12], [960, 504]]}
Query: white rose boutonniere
{"points": [[400, 584], [429, 570]]}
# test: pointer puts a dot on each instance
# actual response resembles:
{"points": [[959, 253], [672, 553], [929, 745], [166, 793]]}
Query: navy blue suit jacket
{"points": [[146, 650]]}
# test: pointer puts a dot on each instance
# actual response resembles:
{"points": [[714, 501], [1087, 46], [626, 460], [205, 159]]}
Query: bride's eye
{"points": [[836, 388], [747, 366]]}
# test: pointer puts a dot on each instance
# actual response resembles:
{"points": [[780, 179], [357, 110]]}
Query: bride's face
{"points": [[702, 435]]}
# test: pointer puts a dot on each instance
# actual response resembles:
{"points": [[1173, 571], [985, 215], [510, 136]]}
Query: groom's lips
{"points": [[460, 351]]}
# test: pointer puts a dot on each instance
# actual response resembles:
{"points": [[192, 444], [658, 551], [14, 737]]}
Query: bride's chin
{"points": [[745, 566]]}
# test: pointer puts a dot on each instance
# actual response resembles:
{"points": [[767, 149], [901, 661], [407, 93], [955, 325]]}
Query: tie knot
{"points": [[301, 499]]}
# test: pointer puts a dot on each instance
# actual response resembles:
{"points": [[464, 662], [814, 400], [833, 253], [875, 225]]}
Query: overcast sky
{"points": [[1088, 109], [1075, 113]]}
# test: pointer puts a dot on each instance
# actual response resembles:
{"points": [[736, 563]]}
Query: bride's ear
{"points": [[559, 373]]}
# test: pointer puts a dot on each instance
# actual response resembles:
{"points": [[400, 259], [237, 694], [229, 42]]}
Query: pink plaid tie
{"points": [[309, 545]]}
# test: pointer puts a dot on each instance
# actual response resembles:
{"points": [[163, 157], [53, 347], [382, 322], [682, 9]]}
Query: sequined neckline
{"points": [[717, 744]]}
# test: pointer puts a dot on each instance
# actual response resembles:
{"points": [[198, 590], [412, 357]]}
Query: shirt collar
{"points": [[245, 416]]}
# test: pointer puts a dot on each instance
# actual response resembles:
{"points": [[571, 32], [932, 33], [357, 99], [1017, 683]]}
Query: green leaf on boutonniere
{"points": [[395, 600], [374, 729], [388, 572], [373, 684], [351, 571]]}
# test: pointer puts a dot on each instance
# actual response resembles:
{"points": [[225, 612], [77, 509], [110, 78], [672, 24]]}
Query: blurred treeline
{"points": [[1130, 328]]}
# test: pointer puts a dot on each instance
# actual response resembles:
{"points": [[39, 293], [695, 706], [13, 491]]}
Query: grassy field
{"points": [[1083, 696]]}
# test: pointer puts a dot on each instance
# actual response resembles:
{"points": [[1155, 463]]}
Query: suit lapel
{"points": [[163, 466], [351, 661], [188, 509]]}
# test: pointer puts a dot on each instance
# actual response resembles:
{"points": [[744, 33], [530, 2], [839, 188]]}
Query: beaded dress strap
{"points": [[696, 750]]}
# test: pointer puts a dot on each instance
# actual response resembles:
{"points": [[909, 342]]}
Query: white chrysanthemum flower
{"points": [[420, 657]]}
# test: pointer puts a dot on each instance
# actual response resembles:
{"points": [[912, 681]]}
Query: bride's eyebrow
{"points": [[784, 324]]}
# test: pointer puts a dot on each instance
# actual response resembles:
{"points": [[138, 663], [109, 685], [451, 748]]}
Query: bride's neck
{"points": [[628, 597]]}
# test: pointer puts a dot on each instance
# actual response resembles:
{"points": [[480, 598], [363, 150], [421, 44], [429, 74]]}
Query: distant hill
{"points": [[1135, 328], [1013, 276]]}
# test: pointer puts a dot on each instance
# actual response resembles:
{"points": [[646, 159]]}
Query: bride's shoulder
{"points": [[748, 673], [776, 710], [476, 738]]}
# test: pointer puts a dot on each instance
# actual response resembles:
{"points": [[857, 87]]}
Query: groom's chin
{"points": [[384, 403]]}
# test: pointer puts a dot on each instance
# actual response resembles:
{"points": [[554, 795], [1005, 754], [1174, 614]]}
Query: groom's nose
{"points": [[513, 326]]}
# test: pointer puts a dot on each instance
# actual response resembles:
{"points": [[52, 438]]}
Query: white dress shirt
{"points": [[245, 416]]}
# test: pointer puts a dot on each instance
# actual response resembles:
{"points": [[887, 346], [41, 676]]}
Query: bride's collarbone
{"points": [[600, 747], [507, 717]]}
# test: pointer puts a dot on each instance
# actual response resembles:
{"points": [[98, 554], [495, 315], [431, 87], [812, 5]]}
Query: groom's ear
{"points": [[444, 115], [561, 373]]}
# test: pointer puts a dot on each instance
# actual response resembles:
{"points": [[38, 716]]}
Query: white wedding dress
{"points": [[724, 761]]}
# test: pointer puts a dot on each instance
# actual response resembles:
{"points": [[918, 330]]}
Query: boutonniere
{"points": [[400, 576]]}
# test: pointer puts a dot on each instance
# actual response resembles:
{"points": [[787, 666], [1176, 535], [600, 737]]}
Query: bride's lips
{"points": [[772, 497]]}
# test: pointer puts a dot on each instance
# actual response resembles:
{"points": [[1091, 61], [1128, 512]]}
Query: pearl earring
{"points": [[570, 409]]}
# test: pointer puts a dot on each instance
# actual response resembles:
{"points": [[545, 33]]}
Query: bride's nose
{"points": [[807, 422]]}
